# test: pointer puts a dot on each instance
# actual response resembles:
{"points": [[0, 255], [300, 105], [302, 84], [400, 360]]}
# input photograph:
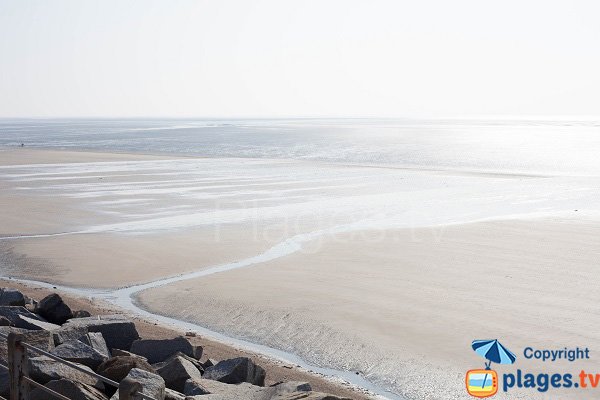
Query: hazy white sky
{"points": [[299, 58]]}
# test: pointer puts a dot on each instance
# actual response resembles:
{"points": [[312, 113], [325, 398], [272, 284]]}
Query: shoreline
{"points": [[125, 299], [508, 174], [278, 369]]}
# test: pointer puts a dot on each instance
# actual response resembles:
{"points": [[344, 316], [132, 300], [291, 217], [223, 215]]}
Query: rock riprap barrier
{"points": [[109, 345]]}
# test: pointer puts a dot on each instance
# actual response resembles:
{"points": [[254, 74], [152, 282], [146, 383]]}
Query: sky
{"points": [[284, 58]]}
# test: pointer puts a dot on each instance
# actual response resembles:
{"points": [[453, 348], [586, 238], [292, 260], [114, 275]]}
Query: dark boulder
{"points": [[310, 396], [39, 339], [20, 317], [4, 383], [117, 368], [36, 324], [281, 388], [66, 334], [208, 363], [44, 370], [11, 297], [53, 309], [81, 353], [96, 341], [81, 314], [119, 352], [157, 350], [193, 387], [224, 391], [118, 331], [195, 362], [152, 384], [72, 390], [177, 371], [237, 370], [173, 395]]}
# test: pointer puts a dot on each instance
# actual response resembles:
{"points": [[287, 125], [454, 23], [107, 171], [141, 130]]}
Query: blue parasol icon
{"points": [[493, 351]]}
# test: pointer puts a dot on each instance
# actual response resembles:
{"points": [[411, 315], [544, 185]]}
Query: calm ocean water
{"points": [[544, 147]]}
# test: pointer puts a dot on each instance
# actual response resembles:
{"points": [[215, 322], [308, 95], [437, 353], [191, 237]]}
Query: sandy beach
{"points": [[412, 301], [367, 270]]}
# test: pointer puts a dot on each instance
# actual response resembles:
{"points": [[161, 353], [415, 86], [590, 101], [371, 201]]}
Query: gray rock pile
{"points": [[110, 346]]}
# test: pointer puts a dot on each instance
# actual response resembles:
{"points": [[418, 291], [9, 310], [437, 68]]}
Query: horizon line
{"points": [[498, 117]]}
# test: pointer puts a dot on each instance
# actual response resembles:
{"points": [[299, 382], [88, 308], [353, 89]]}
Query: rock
{"points": [[39, 324], [11, 297], [195, 362], [72, 390], [308, 396], [5, 321], [53, 309], [117, 368], [176, 371], [119, 352], [4, 383], [246, 391], [236, 370], [44, 370], [96, 341], [118, 332], [290, 387], [224, 391], [173, 395], [39, 339], [81, 314], [193, 387], [209, 363], [160, 350], [29, 300], [81, 353], [19, 317], [152, 384], [64, 335]]}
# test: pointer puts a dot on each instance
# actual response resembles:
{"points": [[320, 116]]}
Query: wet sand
{"points": [[398, 305], [402, 307], [104, 260], [51, 204]]}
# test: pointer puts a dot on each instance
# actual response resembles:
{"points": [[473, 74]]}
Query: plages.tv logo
{"points": [[484, 382]]}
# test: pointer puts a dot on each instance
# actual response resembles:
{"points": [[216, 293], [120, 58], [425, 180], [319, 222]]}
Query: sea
{"points": [[560, 147]]}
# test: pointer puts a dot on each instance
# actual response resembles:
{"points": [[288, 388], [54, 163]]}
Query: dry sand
{"points": [[403, 306]]}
